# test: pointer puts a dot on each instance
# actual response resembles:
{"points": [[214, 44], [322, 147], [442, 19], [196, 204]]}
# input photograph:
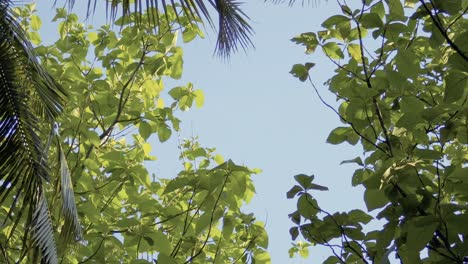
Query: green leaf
{"points": [[456, 86], [371, 20], [338, 135], [458, 223], [145, 130], [314, 186], [304, 180], [177, 92], [459, 174], [356, 160], [420, 232], [262, 258], [176, 65], [355, 52], [262, 239], [332, 50], [35, 38], [293, 191], [334, 20], [161, 243], [408, 62], [308, 39], [35, 23], [228, 227], [199, 98], [301, 71], [428, 154], [166, 259], [307, 206], [374, 199], [164, 132], [188, 34], [294, 232], [396, 10], [304, 252], [359, 216]]}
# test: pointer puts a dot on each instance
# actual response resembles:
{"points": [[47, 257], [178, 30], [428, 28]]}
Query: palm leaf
{"points": [[43, 232], [29, 98], [234, 31], [71, 225]]}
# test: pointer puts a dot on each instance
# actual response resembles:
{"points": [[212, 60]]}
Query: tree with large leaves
{"points": [[401, 83], [233, 28], [99, 148]]}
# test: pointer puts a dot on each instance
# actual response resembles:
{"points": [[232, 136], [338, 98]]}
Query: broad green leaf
{"points": [[338, 135], [161, 243], [396, 10], [307, 206], [356, 160], [228, 227], [334, 20], [145, 130], [301, 71], [332, 50], [304, 180], [456, 86], [408, 63], [304, 252], [35, 38], [355, 52], [35, 23], [410, 104], [176, 64], [458, 223], [428, 154], [166, 259], [294, 232], [218, 159], [420, 233], [262, 258], [262, 239], [314, 186], [371, 20], [164, 132], [459, 174], [359, 216], [374, 199], [293, 191], [199, 98], [188, 34], [308, 39]]}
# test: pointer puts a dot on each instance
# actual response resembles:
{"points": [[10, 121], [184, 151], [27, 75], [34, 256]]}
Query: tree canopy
{"points": [[77, 117], [102, 205], [401, 84]]}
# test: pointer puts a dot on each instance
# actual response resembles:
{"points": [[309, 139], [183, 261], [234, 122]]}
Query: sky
{"points": [[259, 115]]}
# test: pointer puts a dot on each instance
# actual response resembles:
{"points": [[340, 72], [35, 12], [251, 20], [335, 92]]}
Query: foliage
{"points": [[100, 151], [30, 101], [401, 84], [234, 31]]}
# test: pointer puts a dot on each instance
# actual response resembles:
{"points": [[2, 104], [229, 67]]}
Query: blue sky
{"points": [[257, 114]]}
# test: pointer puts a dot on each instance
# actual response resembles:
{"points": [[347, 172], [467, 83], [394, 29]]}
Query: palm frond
{"points": [[70, 213], [290, 2], [28, 98], [42, 231], [234, 31], [233, 28]]}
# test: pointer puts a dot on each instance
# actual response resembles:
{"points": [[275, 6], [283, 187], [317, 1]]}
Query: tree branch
{"points": [[443, 32]]}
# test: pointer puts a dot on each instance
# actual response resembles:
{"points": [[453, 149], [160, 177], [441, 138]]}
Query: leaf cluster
{"points": [[100, 152], [401, 81]]}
